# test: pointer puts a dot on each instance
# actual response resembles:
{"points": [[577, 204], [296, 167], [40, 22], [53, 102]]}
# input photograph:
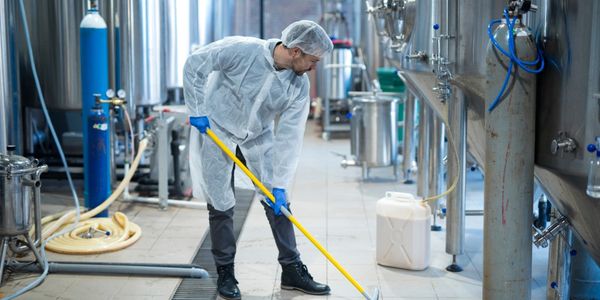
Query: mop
{"points": [[375, 294]]}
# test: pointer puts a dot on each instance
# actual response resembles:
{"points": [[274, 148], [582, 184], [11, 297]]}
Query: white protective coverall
{"points": [[234, 83]]}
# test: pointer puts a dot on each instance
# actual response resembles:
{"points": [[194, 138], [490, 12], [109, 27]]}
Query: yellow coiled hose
{"points": [[95, 235]]}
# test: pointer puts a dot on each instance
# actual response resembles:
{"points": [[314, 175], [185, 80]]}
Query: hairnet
{"points": [[308, 36]]}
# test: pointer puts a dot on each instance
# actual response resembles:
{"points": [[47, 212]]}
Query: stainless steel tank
{"points": [[338, 72], [420, 43], [143, 32], [16, 201], [373, 129], [567, 114], [189, 25], [399, 22], [54, 30], [369, 43]]}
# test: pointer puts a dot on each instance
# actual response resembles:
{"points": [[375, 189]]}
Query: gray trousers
{"points": [[223, 239]]}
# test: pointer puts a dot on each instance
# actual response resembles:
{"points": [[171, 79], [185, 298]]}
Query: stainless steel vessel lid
{"points": [[374, 99], [11, 163]]}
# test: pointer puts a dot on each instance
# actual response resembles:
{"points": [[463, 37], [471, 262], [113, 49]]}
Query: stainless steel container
{"points": [[399, 21], [54, 30], [373, 128], [189, 25], [16, 202], [338, 73], [143, 32]]}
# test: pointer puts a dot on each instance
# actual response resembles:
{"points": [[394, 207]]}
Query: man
{"points": [[237, 87]]}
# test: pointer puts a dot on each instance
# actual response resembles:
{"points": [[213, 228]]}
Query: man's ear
{"points": [[295, 52]]}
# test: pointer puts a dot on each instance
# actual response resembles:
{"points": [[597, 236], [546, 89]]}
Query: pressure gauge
{"points": [[110, 93]]}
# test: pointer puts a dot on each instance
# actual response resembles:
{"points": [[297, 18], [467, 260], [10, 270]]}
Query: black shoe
{"points": [[296, 277], [226, 284]]}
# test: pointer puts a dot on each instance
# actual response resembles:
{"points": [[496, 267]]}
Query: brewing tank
{"points": [[189, 25], [509, 167], [338, 72], [54, 30], [142, 33]]}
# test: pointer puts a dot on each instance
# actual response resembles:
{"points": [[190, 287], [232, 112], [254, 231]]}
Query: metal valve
{"points": [[418, 55], [563, 143]]}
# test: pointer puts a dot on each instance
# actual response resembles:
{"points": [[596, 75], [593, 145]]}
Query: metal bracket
{"points": [[542, 239]]}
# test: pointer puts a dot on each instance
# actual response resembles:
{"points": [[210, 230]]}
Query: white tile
{"points": [[95, 287], [422, 288], [258, 289], [453, 288], [244, 271], [56, 284], [139, 286]]}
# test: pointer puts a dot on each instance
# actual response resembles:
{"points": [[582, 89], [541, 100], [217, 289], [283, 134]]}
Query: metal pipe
{"points": [[542, 239], [434, 167], [163, 173], [473, 212], [509, 164], [3, 250], [409, 129], [149, 200], [423, 158], [37, 198], [157, 270], [11, 129], [109, 16], [455, 202], [261, 18], [3, 127], [559, 267], [180, 203]]}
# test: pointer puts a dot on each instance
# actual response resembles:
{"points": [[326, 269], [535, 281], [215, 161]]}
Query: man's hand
{"points": [[200, 122], [280, 200]]}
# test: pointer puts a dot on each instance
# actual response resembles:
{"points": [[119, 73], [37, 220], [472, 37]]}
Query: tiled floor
{"points": [[335, 206]]}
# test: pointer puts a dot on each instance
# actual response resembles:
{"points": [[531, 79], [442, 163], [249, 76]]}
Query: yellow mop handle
{"points": [[286, 212]]}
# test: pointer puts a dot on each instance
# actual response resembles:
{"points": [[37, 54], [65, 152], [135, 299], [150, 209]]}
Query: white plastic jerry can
{"points": [[403, 232]]}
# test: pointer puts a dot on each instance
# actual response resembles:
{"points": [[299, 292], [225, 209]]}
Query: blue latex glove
{"points": [[200, 122], [279, 201]]}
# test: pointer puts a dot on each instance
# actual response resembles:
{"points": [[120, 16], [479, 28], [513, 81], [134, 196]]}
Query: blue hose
{"points": [[41, 278], [514, 59]]}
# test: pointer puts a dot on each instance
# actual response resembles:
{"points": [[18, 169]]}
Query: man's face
{"points": [[302, 62]]}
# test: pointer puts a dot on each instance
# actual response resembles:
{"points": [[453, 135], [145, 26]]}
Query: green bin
{"points": [[389, 81]]}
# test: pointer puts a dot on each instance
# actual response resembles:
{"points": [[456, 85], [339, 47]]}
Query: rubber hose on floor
{"points": [[95, 235]]}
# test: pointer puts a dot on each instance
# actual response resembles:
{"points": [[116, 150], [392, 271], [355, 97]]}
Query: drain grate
{"points": [[206, 289]]}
